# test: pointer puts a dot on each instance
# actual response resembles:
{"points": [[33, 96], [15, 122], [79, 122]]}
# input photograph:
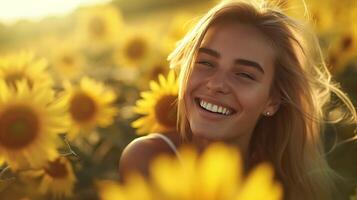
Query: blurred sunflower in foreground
{"points": [[158, 106], [100, 26], [90, 105], [30, 121], [216, 174], [24, 66], [57, 178]]}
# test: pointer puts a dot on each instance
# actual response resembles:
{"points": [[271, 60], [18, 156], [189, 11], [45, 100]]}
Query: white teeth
{"points": [[224, 110], [209, 106], [214, 108]]}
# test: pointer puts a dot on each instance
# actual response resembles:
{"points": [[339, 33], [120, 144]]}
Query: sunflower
{"points": [[199, 177], [30, 120], [322, 16], [55, 178], [24, 66], [99, 26], [68, 62], [58, 178], [135, 48], [156, 66], [180, 24], [90, 105], [158, 106], [135, 188], [343, 50]]}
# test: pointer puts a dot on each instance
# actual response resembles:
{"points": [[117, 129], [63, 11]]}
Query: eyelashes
{"points": [[208, 64], [246, 75]]}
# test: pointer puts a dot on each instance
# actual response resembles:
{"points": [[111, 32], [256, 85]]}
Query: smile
{"points": [[214, 108]]}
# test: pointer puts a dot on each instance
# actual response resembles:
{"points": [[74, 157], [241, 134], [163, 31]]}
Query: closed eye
{"points": [[206, 63], [246, 75]]}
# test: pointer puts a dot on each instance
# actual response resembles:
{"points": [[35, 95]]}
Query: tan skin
{"points": [[140, 152], [233, 69]]}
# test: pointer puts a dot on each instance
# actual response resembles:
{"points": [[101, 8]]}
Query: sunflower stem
{"points": [[2, 173], [3, 170], [71, 152]]}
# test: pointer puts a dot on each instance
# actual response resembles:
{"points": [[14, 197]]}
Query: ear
{"points": [[273, 104]]}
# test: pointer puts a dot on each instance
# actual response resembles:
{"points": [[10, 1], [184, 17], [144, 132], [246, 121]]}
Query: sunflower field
{"points": [[76, 89]]}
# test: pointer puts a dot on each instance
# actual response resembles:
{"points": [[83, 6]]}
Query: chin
{"points": [[207, 135]]}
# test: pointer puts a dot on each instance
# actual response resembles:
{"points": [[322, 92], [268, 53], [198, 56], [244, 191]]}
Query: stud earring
{"points": [[267, 113]]}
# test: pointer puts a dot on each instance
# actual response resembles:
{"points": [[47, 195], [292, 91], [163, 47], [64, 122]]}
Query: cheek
{"points": [[252, 99], [192, 84]]}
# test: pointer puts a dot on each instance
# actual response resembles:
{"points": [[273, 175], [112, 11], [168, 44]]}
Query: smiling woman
{"points": [[226, 75], [253, 78]]}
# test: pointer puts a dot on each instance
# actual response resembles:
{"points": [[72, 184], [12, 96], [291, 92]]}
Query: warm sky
{"points": [[11, 10]]}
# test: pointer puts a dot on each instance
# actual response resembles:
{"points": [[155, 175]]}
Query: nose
{"points": [[217, 83]]}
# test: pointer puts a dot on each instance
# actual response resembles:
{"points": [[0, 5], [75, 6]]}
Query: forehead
{"points": [[239, 40]]}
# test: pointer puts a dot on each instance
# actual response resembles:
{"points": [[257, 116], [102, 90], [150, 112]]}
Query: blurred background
{"points": [[121, 46]]}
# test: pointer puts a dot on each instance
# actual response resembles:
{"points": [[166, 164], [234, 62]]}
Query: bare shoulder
{"points": [[139, 153]]}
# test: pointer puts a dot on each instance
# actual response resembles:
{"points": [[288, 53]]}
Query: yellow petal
{"points": [[261, 185]]}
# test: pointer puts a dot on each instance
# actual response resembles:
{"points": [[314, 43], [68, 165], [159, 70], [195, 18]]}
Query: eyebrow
{"points": [[239, 61]]}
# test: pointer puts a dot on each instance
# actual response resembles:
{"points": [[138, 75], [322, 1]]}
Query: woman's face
{"points": [[229, 88]]}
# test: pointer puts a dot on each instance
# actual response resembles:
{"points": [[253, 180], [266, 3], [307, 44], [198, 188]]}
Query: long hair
{"points": [[291, 139]]}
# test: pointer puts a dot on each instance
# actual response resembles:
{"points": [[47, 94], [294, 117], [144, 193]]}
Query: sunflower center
{"points": [[97, 27], [136, 49], [67, 60], [57, 169], [82, 107], [333, 59], [346, 43], [166, 110], [19, 126]]}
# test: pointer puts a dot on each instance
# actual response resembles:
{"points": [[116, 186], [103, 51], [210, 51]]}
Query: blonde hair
{"points": [[291, 139]]}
